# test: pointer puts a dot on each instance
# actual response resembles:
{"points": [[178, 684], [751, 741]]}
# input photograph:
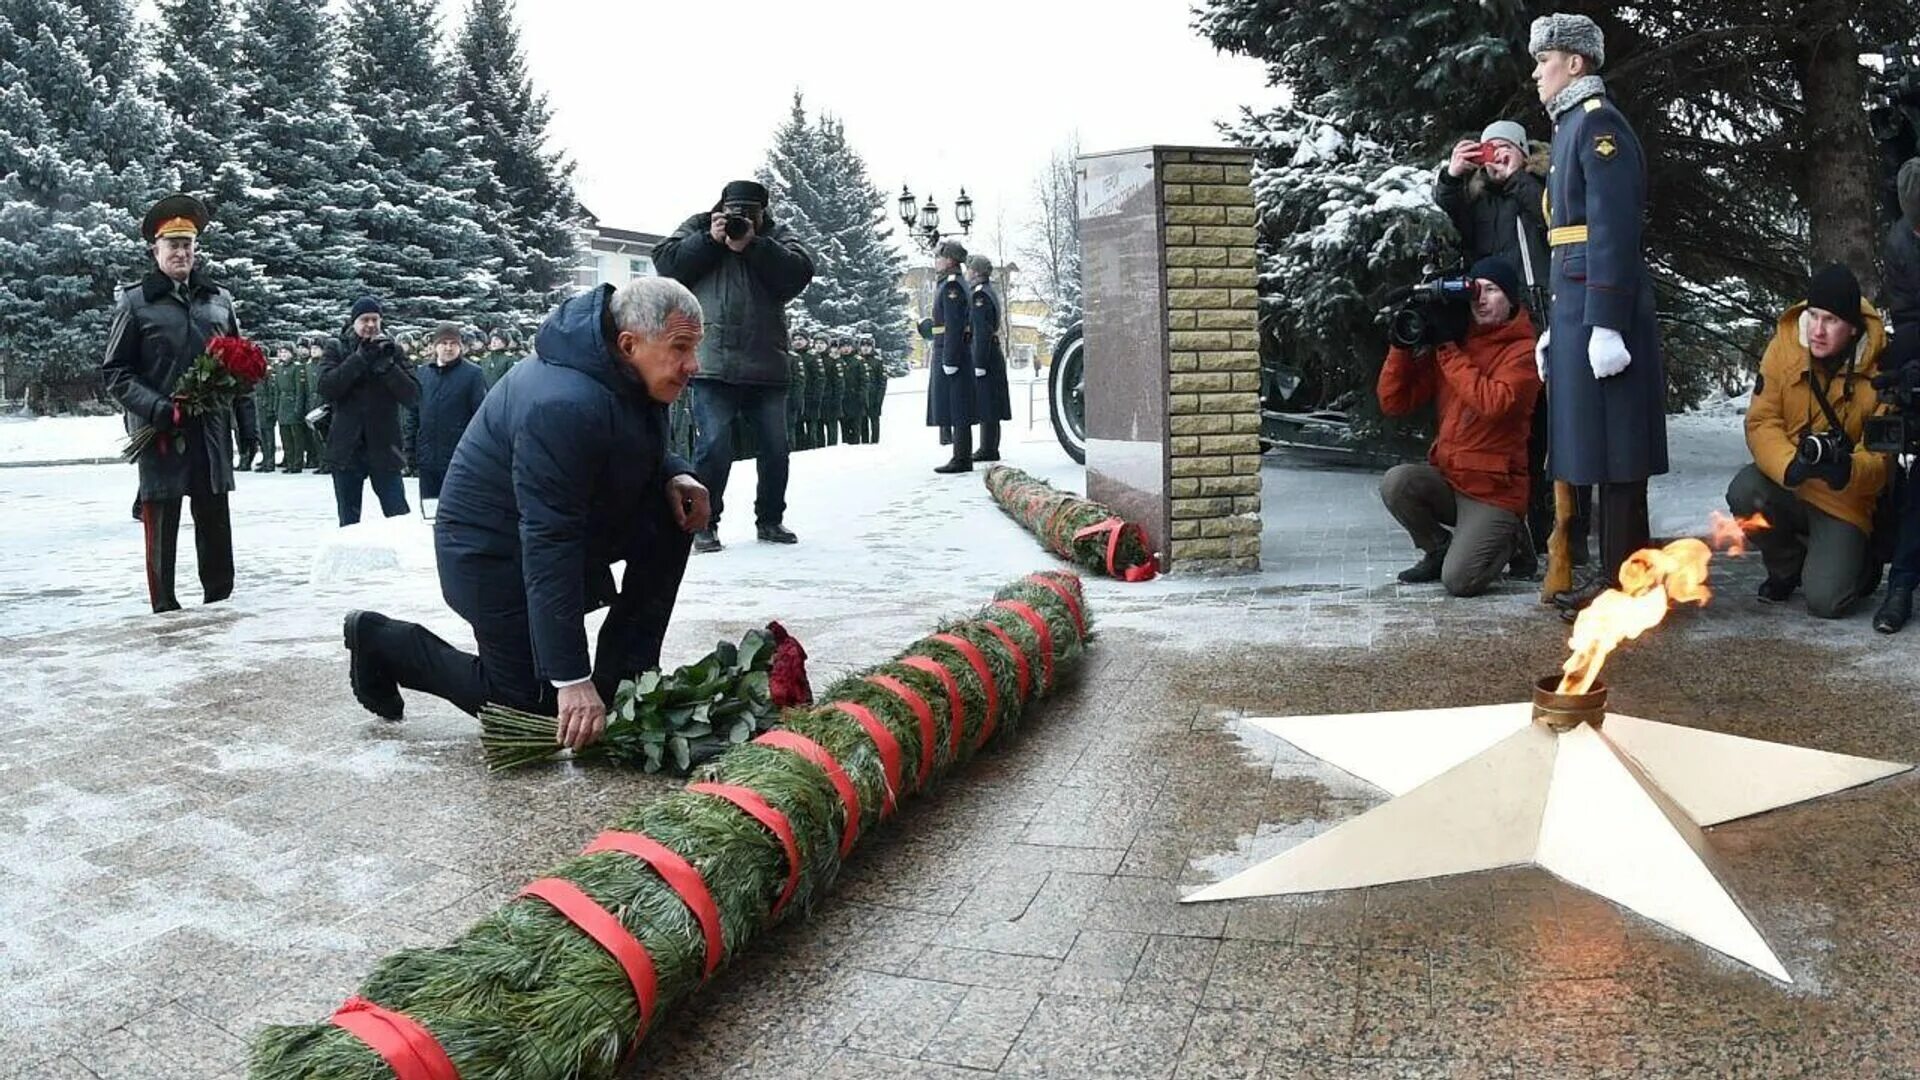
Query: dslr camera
{"points": [[1432, 311], [741, 219], [1898, 432], [1821, 448]]}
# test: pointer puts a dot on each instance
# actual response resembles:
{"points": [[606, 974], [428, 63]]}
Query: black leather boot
{"points": [[1895, 610]]}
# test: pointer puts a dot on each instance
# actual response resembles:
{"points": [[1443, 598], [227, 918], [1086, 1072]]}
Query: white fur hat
{"points": [[1568, 33], [1506, 131]]}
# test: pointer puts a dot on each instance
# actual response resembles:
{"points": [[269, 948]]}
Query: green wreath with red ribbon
{"points": [[1078, 530], [567, 980]]}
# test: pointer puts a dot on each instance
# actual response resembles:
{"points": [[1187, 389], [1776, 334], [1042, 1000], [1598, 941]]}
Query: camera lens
{"points": [[737, 226], [1407, 328]]}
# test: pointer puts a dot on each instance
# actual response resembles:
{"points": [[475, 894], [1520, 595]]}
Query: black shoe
{"points": [[705, 542], [290, 468], [1427, 570], [377, 693], [1580, 597], [1778, 590], [777, 534], [1525, 564], [952, 467], [1895, 610], [991, 455], [1580, 556]]}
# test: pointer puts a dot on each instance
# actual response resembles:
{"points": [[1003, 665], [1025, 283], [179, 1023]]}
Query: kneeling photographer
{"points": [[1811, 476], [1466, 345]]}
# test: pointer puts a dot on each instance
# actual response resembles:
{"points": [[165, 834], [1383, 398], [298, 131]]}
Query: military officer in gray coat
{"points": [[1600, 357]]}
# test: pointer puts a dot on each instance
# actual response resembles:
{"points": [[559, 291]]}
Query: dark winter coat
{"points": [[1612, 430], [154, 338], [449, 396], [1483, 392], [996, 403], [1491, 217], [366, 382], [743, 297], [952, 400], [558, 471], [1900, 284]]}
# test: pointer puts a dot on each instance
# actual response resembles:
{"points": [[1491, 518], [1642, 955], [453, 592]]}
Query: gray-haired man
{"points": [[564, 471]]}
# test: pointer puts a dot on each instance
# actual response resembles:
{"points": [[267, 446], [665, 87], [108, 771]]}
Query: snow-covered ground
{"points": [[60, 438]]}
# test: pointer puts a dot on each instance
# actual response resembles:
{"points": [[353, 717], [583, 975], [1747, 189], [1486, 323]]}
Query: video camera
{"points": [[1898, 432], [1431, 312], [742, 218]]}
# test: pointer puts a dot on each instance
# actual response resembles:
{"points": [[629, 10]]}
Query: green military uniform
{"points": [[290, 404], [853, 396], [829, 395], [310, 399], [816, 384], [796, 402], [266, 407]]}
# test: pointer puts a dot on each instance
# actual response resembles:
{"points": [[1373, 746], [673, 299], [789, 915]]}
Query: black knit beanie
{"points": [[1835, 289]]}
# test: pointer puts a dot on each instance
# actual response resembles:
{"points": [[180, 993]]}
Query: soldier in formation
{"points": [[875, 370], [797, 427]]}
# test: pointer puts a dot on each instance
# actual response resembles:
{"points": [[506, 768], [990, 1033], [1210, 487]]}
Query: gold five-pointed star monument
{"points": [[1611, 803]]}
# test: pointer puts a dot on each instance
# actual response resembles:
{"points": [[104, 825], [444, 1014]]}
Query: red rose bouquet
{"points": [[226, 371]]}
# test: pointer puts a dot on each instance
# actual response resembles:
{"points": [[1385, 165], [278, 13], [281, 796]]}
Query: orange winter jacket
{"points": [[1782, 410], [1484, 392]]}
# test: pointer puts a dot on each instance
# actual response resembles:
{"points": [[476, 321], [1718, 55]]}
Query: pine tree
{"points": [[195, 82], [298, 223], [531, 190], [427, 254], [82, 154], [820, 189]]}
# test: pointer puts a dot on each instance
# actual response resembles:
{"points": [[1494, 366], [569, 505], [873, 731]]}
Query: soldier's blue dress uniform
{"points": [[951, 400], [1613, 430]]}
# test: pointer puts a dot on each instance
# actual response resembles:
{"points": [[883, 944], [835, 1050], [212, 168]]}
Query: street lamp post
{"points": [[923, 221]]}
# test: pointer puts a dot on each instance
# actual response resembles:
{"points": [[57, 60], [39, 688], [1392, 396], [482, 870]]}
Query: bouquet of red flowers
{"points": [[226, 371]]}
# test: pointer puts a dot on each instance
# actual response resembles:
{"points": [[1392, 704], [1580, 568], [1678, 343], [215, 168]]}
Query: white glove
{"points": [[980, 372], [949, 369], [1607, 353], [1540, 354]]}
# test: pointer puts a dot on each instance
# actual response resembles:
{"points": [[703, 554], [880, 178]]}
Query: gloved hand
{"points": [[980, 373], [1607, 353], [1797, 473], [949, 369], [1450, 323], [1839, 472], [1540, 354], [166, 415]]}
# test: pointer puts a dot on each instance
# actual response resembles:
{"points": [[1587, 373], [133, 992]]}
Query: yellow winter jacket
{"points": [[1783, 409]]}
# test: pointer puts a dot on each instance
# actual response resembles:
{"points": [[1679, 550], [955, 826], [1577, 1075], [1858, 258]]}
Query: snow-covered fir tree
{"points": [[82, 153], [299, 222], [820, 189], [426, 253], [1342, 223], [530, 189], [194, 42]]}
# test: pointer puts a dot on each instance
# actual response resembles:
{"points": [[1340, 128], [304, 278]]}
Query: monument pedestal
{"points": [[1173, 363]]}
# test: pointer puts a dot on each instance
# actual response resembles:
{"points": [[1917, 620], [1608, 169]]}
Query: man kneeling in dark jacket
{"points": [[563, 472]]}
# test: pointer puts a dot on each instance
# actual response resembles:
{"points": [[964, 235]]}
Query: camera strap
{"points": [[1820, 396]]}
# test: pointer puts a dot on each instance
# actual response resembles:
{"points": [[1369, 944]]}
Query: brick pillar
{"points": [[1171, 230]]}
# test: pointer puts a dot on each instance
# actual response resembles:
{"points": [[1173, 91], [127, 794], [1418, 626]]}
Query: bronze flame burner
{"points": [[1564, 712]]}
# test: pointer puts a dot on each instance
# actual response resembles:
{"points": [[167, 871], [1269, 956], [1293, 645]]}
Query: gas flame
{"points": [[1650, 581], [1729, 534]]}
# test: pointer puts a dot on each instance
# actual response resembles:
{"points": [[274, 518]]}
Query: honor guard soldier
{"points": [[160, 327], [989, 359], [952, 403], [1600, 357], [829, 390], [853, 392]]}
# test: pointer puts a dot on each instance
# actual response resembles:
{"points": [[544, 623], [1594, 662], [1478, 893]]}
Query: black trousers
{"points": [[1624, 525], [212, 547], [490, 595], [1905, 573], [990, 436]]}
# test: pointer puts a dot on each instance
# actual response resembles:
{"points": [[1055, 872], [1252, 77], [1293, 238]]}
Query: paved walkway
{"points": [[203, 835]]}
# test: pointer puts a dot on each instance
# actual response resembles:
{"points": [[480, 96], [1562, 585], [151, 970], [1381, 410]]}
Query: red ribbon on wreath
{"points": [[1115, 528]]}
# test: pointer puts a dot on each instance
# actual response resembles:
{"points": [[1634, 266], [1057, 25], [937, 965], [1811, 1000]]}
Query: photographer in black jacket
{"points": [[744, 267], [366, 380]]}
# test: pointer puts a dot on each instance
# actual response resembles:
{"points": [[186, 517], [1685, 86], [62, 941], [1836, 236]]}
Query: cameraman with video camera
{"points": [[366, 380], [1899, 388], [744, 267], [1465, 344], [1811, 476]]}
